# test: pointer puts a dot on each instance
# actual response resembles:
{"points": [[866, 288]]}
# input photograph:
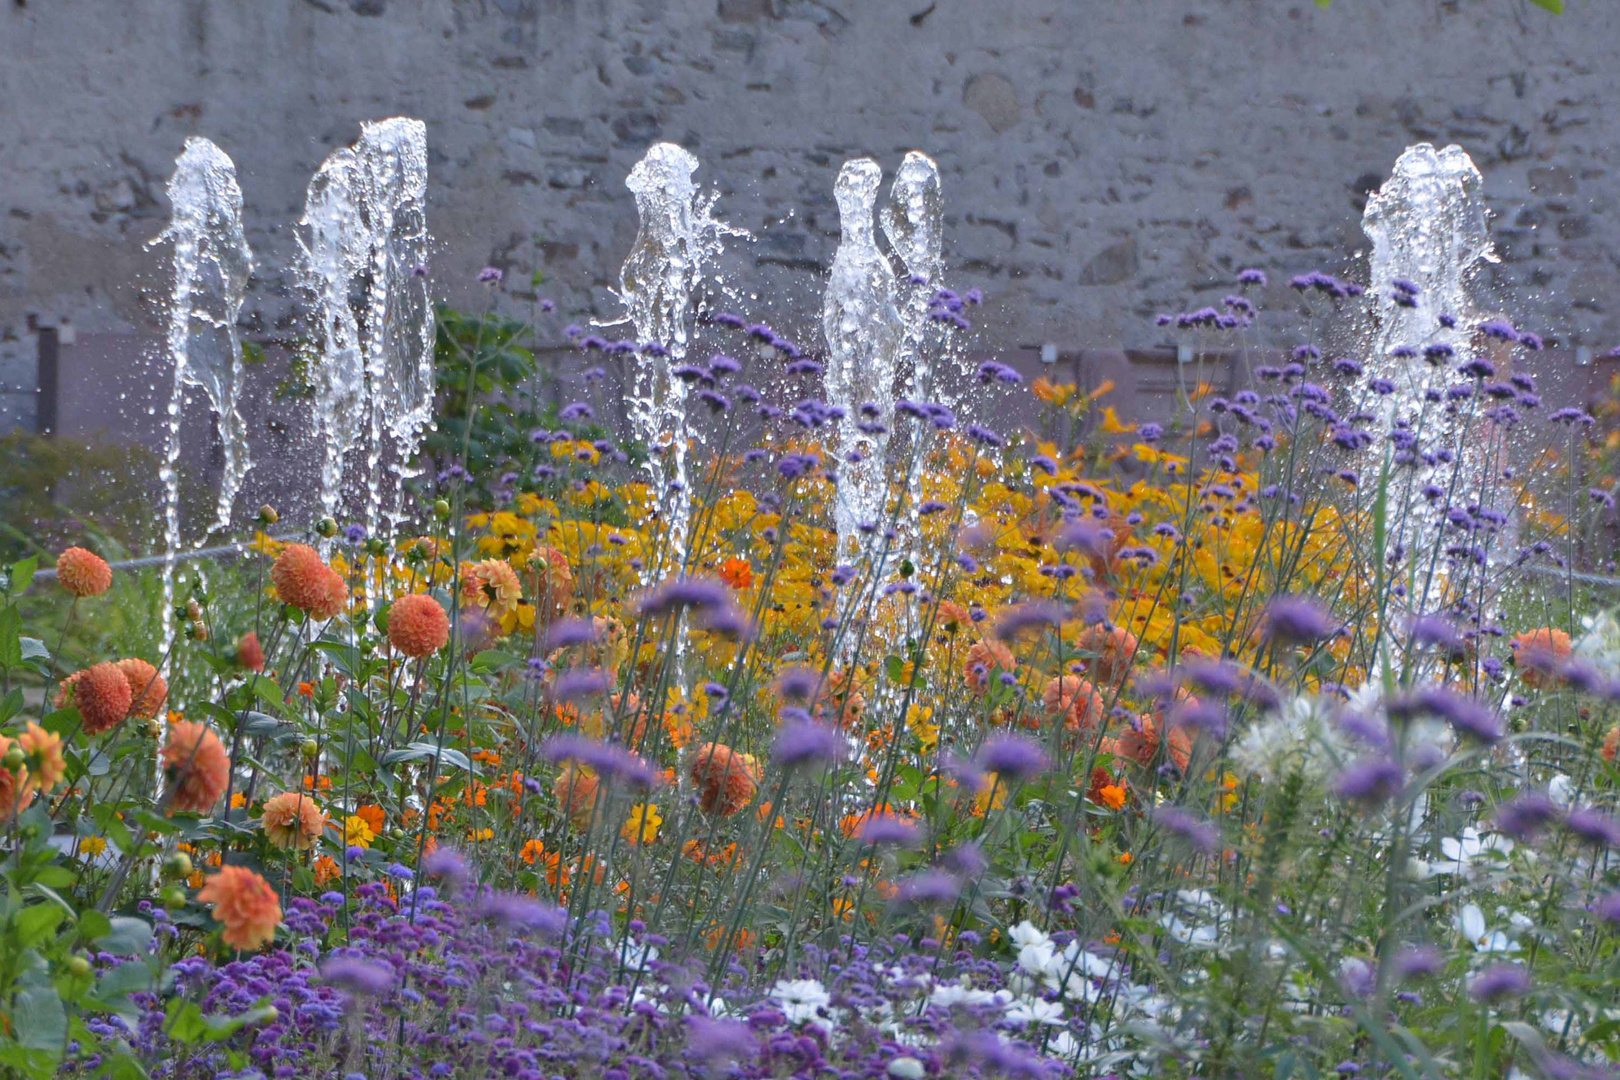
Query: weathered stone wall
{"points": [[1102, 160]]}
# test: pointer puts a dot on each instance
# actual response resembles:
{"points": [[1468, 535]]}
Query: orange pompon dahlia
{"points": [[16, 791], [575, 789], [1111, 653], [46, 766], [301, 578], [292, 820], [147, 689], [551, 581], [197, 766], [83, 573], [333, 600], [418, 625], [249, 653], [1538, 654], [983, 660], [726, 780], [245, 904], [102, 695], [491, 587], [1075, 700], [1611, 744]]}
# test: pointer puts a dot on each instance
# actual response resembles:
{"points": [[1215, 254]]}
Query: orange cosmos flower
{"points": [[575, 789], [327, 869], [1538, 654], [197, 767], [418, 625], [101, 694], [292, 820], [1611, 744], [46, 766], [532, 850], [146, 687], [83, 573], [726, 780], [737, 573], [245, 903]]}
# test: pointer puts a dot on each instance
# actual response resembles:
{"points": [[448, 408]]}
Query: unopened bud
{"points": [[441, 509], [310, 749], [199, 631], [78, 967], [174, 898], [177, 865], [15, 758], [326, 527], [268, 515], [193, 610]]}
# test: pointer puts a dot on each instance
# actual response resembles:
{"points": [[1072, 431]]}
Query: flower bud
{"points": [[441, 509], [268, 515], [327, 527], [193, 610], [177, 865], [174, 898], [310, 749], [14, 758], [78, 967]]}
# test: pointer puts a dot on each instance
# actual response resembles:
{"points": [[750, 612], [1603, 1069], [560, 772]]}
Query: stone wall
{"points": [[1102, 161]]}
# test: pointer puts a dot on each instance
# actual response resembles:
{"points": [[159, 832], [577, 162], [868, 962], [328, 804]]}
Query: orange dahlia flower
{"points": [[83, 573], [147, 689], [1538, 654], [490, 586], [46, 766], [249, 653], [1075, 700], [418, 625], [197, 766], [983, 659], [726, 780], [245, 904], [1110, 652], [1611, 744], [292, 820], [15, 790], [301, 578], [102, 695], [551, 581]]}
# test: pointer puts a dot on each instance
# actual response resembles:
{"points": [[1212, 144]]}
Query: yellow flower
{"points": [[357, 832], [91, 846], [919, 721], [641, 827]]}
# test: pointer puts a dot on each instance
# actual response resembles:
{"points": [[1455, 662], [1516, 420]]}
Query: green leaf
{"points": [[129, 936], [418, 750], [1554, 6], [93, 925], [34, 650], [34, 924], [40, 1020], [22, 574], [10, 638]]}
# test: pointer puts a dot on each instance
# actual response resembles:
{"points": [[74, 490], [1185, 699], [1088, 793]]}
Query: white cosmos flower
{"points": [[1470, 922], [1035, 1011], [960, 993], [1460, 852], [1026, 933], [801, 1000]]}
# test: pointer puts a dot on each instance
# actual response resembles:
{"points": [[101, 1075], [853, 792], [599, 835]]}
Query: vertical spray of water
{"points": [[334, 255], [1427, 224], [914, 223], [863, 330], [677, 238], [212, 263], [365, 265]]}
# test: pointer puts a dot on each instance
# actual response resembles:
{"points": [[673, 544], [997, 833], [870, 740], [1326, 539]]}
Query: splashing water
{"points": [[212, 263], [863, 330], [678, 237], [365, 255], [914, 223]]}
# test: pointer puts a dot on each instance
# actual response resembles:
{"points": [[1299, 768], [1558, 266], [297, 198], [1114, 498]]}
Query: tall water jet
{"points": [[914, 223], [1427, 227], [365, 263], [212, 264], [1427, 224], [333, 258], [677, 238], [863, 329]]}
